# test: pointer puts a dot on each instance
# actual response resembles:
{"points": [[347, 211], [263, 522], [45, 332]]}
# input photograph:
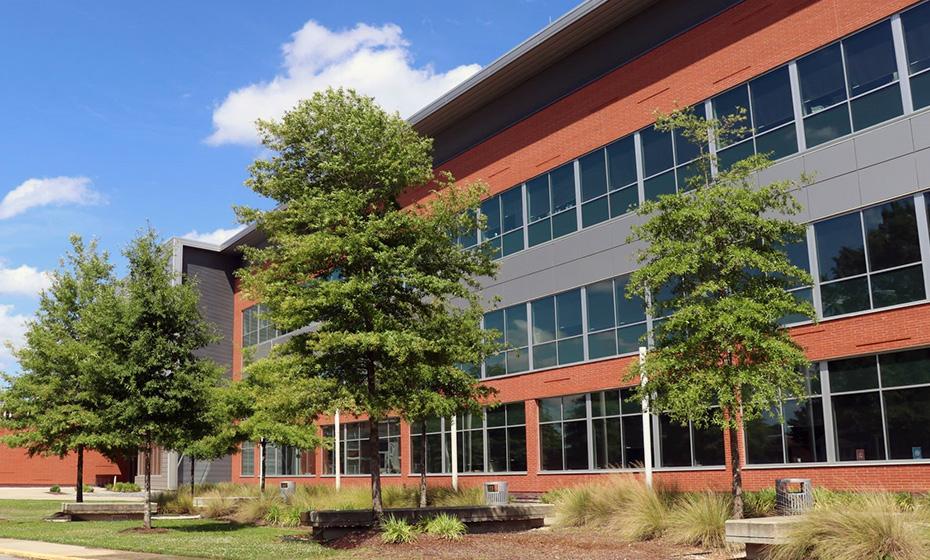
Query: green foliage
{"points": [[699, 520], [445, 526], [123, 487], [88, 489], [712, 261], [53, 407], [55, 489], [178, 502], [876, 527], [759, 504], [397, 531], [623, 504], [392, 298], [447, 497]]}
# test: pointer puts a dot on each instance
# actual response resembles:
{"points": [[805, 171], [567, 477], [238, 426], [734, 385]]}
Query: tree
{"points": [[159, 392], [713, 261], [389, 294], [52, 406], [221, 439], [271, 406]]}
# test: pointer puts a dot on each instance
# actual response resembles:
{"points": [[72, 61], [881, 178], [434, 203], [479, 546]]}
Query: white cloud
{"points": [[50, 191], [12, 330], [216, 237], [24, 280], [375, 61]]}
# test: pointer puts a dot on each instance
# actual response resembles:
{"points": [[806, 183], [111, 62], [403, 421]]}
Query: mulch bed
{"points": [[542, 544]]}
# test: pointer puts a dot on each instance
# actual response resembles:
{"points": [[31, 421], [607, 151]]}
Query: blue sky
{"points": [[120, 113]]}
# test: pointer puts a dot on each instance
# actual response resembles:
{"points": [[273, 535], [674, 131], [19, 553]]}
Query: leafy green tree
{"points": [[714, 266], [270, 405], [220, 441], [159, 392], [387, 292], [52, 406]]}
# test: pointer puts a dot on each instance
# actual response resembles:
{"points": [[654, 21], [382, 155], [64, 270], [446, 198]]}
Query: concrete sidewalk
{"points": [[67, 494], [50, 551]]}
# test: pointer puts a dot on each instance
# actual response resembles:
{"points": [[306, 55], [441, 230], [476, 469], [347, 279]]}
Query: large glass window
{"points": [[768, 115], [286, 460], [608, 182], [869, 259], [916, 23], [354, 448], [617, 430], [668, 160], [797, 436], [616, 325], [494, 441], [255, 327], [557, 329], [551, 204], [881, 406], [513, 327], [563, 433], [850, 85], [247, 459], [504, 227], [688, 445]]}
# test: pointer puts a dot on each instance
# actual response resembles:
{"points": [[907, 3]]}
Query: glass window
{"points": [[617, 431], [821, 79], [657, 151], [551, 200], [688, 445], [771, 101], [513, 327], [286, 460], [799, 438], [916, 23], [870, 59], [247, 459], [593, 175], [870, 259], [354, 448], [858, 420], [563, 434], [616, 325], [256, 328], [557, 330]]}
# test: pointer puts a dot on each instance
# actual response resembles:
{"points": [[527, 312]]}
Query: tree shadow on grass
{"points": [[213, 527]]}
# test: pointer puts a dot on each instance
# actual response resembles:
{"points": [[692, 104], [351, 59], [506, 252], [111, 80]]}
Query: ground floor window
{"points": [[287, 460], [689, 445], [494, 441], [247, 459], [354, 448]]}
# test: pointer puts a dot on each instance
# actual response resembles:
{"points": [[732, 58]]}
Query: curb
{"points": [[16, 553]]}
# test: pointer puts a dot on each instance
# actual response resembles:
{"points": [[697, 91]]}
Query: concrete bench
{"points": [[203, 502], [102, 511], [331, 524], [760, 534]]}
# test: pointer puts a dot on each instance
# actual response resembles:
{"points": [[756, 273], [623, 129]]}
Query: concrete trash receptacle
{"points": [[495, 493], [793, 496]]}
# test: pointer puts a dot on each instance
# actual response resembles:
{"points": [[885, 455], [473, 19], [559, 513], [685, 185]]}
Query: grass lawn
{"points": [[203, 538]]}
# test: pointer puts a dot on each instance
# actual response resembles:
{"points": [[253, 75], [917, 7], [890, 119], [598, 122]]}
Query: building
{"points": [[561, 129]]}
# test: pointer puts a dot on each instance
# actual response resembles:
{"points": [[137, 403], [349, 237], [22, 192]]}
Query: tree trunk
{"points": [[79, 487], [193, 467], [737, 471], [261, 482], [374, 464], [423, 464], [147, 508]]}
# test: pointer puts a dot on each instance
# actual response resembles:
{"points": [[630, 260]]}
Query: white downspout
{"points": [[647, 423], [455, 455], [338, 452]]}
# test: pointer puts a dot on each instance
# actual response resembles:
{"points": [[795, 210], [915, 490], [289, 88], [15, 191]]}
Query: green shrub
{"points": [[445, 526], [397, 531], [88, 489], [873, 526], [447, 497], [123, 487], [699, 520], [177, 503], [282, 515], [253, 510], [55, 489], [759, 504]]}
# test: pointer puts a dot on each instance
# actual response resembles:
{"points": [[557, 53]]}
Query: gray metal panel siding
{"points": [[605, 53], [213, 273], [206, 472], [861, 170]]}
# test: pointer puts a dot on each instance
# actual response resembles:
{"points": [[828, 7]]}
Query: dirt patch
{"points": [[144, 531], [543, 544]]}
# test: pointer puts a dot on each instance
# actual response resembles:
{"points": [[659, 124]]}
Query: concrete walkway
{"points": [[16, 548], [67, 494]]}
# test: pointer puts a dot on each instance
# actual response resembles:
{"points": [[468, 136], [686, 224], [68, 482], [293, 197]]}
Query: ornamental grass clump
{"points": [[445, 526], [759, 504], [623, 504], [700, 520], [397, 531], [866, 527]]}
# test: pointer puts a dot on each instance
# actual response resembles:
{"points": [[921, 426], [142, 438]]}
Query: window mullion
{"points": [[849, 115], [525, 204], [711, 140], [529, 337], [576, 167], [881, 400], [865, 252], [900, 52], [640, 180], [584, 323], [923, 234], [590, 427], [829, 424], [795, 83]]}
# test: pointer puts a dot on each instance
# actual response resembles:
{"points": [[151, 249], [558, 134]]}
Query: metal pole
{"points": [[455, 455], [647, 421], [337, 461]]}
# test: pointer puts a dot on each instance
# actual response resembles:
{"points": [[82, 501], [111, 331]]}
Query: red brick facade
{"points": [[18, 469]]}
